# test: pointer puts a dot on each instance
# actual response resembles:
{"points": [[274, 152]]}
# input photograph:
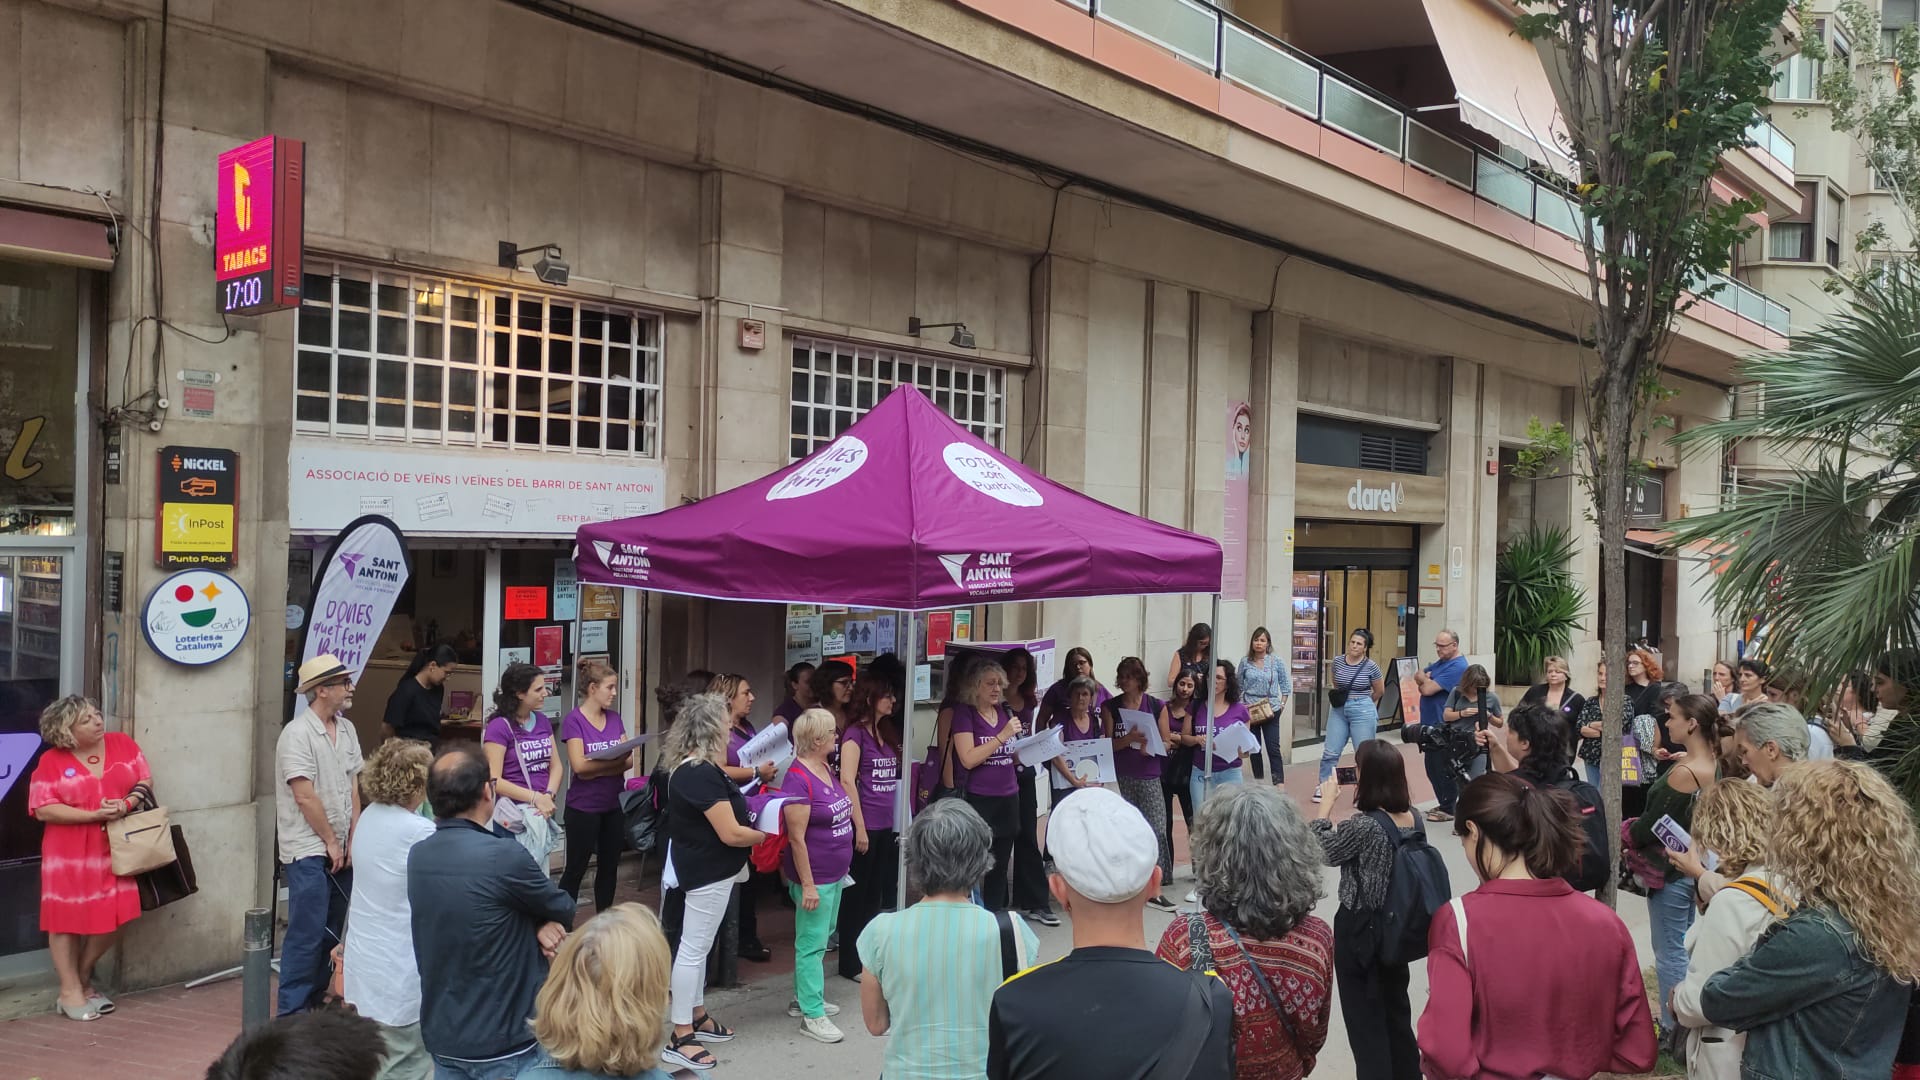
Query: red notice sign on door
{"points": [[525, 602]]}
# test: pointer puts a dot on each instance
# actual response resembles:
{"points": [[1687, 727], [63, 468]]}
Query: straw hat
{"points": [[320, 669]]}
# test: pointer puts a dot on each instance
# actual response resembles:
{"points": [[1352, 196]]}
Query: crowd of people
{"points": [[427, 936]]}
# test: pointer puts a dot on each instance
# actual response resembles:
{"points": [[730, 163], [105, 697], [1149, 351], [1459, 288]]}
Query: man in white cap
{"points": [[1108, 1009], [317, 806]]}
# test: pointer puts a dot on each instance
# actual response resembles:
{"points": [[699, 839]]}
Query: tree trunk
{"points": [[1613, 434]]}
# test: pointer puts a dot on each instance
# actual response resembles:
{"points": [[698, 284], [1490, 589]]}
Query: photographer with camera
{"points": [[1435, 683]]}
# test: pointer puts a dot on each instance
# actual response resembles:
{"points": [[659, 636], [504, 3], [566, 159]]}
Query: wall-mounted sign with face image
{"points": [[196, 617]]}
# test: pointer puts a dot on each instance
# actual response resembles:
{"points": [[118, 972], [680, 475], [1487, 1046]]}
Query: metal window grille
{"points": [[388, 355], [835, 383]]}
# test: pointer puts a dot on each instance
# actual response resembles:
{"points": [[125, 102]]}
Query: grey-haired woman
{"points": [[936, 965], [1258, 864]]}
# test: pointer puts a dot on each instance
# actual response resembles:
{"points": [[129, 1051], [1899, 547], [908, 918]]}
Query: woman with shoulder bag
{"points": [[1258, 866], [520, 750], [709, 831], [88, 777], [1265, 686], [1357, 686]]}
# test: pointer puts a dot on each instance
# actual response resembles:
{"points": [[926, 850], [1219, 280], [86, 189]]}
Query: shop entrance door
{"points": [[1334, 594]]}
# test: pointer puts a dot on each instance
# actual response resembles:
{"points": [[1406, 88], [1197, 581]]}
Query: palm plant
{"points": [[1830, 553], [1536, 601]]}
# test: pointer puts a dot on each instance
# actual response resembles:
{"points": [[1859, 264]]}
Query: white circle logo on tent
{"points": [[823, 470], [984, 473]]}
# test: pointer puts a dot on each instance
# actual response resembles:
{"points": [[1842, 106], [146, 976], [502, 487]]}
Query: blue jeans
{"points": [[505, 1068], [1356, 721], [1271, 737], [1593, 773], [316, 913], [1669, 914], [1196, 789]]}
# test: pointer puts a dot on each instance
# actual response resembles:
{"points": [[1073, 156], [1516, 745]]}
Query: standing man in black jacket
{"points": [[486, 920]]}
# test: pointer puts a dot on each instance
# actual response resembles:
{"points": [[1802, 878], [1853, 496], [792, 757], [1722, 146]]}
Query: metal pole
{"points": [[1213, 667], [256, 1000], [902, 796]]}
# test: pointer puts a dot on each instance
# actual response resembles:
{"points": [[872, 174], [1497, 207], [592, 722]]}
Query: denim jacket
{"points": [[1810, 1003]]}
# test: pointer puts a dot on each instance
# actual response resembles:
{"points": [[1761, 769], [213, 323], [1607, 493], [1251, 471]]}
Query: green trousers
{"points": [[810, 932]]}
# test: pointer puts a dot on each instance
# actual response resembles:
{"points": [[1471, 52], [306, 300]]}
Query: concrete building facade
{"points": [[753, 199]]}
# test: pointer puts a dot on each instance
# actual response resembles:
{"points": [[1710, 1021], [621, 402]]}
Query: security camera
{"points": [[551, 269]]}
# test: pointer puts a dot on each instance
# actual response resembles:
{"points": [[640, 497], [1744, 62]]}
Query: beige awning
{"points": [[1497, 78]]}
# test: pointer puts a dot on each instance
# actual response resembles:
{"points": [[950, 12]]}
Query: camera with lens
{"points": [[1455, 740]]}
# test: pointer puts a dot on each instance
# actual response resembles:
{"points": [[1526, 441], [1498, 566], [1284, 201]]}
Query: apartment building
{"points": [[1168, 229]]}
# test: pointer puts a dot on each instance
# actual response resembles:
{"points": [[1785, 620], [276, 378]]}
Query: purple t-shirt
{"points": [[1130, 762], [531, 766], [739, 735], [788, 710], [1236, 713], [878, 780], [594, 794], [829, 826], [993, 776]]}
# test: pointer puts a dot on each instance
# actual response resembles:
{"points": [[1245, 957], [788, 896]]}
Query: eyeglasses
{"points": [[843, 682]]}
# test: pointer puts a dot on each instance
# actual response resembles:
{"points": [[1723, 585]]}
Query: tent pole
{"points": [[1213, 667], [902, 793]]}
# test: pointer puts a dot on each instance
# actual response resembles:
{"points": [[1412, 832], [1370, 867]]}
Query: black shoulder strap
{"points": [[1009, 955], [1388, 826], [1182, 1051], [1273, 999]]}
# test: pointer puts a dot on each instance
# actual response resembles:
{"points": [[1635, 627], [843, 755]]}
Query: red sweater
{"points": [[1550, 986]]}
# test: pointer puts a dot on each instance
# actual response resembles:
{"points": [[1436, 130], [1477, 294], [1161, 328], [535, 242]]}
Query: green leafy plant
{"points": [[1537, 605]]}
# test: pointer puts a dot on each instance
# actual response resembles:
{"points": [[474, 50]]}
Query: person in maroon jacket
{"points": [[1494, 1011]]}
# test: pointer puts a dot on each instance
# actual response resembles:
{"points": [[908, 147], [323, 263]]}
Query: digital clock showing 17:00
{"points": [[240, 294]]}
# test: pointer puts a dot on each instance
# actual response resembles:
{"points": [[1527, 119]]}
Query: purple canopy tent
{"points": [[907, 511]]}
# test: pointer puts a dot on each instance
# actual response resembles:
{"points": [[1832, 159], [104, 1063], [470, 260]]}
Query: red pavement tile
{"points": [[174, 1033]]}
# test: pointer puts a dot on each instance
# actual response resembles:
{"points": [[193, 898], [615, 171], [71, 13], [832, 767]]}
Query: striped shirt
{"points": [[1354, 678], [938, 964]]}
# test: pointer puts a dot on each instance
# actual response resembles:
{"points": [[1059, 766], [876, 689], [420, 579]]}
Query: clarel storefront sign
{"points": [[1331, 493]]}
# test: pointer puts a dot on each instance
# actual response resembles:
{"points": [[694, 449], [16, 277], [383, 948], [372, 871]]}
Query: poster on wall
{"points": [[197, 508], [939, 629], [361, 576], [566, 590], [1233, 527], [883, 633], [803, 634], [196, 617], [546, 646], [597, 601], [833, 632]]}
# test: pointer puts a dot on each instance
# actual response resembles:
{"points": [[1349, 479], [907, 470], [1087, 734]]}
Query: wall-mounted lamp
{"points": [[550, 268], [962, 337]]}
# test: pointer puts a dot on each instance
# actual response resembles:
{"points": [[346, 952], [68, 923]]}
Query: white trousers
{"points": [[706, 909]]}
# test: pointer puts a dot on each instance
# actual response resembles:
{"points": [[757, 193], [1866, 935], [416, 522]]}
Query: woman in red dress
{"points": [[88, 777]]}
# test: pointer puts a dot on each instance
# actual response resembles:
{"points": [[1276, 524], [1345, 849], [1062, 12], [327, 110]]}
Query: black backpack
{"points": [[1592, 871], [1418, 886], [645, 811]]}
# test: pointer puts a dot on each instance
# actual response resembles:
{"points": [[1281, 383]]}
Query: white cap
{"points": [[1102, 846]]}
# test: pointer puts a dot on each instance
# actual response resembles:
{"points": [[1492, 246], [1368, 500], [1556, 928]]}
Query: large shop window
{"points": [[835, 383], [412, 358]]}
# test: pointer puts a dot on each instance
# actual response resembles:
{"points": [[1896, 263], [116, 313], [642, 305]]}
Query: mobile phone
{"points": [[1672, 836], [1347, 774]]}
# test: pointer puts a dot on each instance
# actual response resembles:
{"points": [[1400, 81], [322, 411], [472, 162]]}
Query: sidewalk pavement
{"points": [[173, 1033]]}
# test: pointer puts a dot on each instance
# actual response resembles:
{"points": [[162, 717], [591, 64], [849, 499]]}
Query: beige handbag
{"points": [[141, 842]]}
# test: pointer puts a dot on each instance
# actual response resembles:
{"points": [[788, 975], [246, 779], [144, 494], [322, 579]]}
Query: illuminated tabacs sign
{"points": [[197, 524], [260, 232]]}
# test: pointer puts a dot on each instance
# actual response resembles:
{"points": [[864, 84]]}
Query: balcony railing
{"points": [[1236, 50], [1772, 140]]}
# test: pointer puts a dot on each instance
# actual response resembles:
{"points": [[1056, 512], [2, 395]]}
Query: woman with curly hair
{"points": [[381, 980], [1825, 993], [1258, 868], [1732, 820]]}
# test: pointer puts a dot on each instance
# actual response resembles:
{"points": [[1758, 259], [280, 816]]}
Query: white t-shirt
{"points": [[382, 979], [1819, 743]]}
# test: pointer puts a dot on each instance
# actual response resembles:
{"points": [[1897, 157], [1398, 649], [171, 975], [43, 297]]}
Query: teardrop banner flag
{"points": [[365, 568]]}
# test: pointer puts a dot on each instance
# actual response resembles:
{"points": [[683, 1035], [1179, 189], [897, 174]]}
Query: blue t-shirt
{"points": [[1447, 673]]}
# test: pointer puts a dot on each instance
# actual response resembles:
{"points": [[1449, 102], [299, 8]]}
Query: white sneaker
{"points": [[820, 1028], [1193, 898], [793, 1009]]}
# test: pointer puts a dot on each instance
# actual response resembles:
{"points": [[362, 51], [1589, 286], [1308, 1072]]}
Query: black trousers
{"points": [[1000, 812], [1373, 1002], [876, 878], [1029, 868], [602, 836], [1185, 794], [1446, 790], [749, 893]]}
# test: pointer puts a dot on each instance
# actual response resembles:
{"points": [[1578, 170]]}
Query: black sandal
{"points": [[686, 1051], [717, 1032]]}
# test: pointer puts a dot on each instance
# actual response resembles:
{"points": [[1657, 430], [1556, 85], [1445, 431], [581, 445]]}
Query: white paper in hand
{"points": [[1132, 720], [772, 744], [769, 819], [1234, 740], [1038, 749], [1090, 759]]}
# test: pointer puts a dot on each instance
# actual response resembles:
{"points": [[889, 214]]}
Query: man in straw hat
{"points": [[318, 804]]}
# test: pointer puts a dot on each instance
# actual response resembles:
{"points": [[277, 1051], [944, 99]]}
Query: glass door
{"points": [[34, 633], [1329, 604]]}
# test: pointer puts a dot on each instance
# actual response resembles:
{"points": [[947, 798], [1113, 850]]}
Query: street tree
{"points": [[1653, 93]]}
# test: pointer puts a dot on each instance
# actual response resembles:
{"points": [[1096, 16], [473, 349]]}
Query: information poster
{"points": [[566, 590], [939, 630], [860, 636], [593, 636], [1233, 532], [803, 634], [599, 602], [547, 641], [833, 631], [883, 632], [525, 602], [963, 626]]}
